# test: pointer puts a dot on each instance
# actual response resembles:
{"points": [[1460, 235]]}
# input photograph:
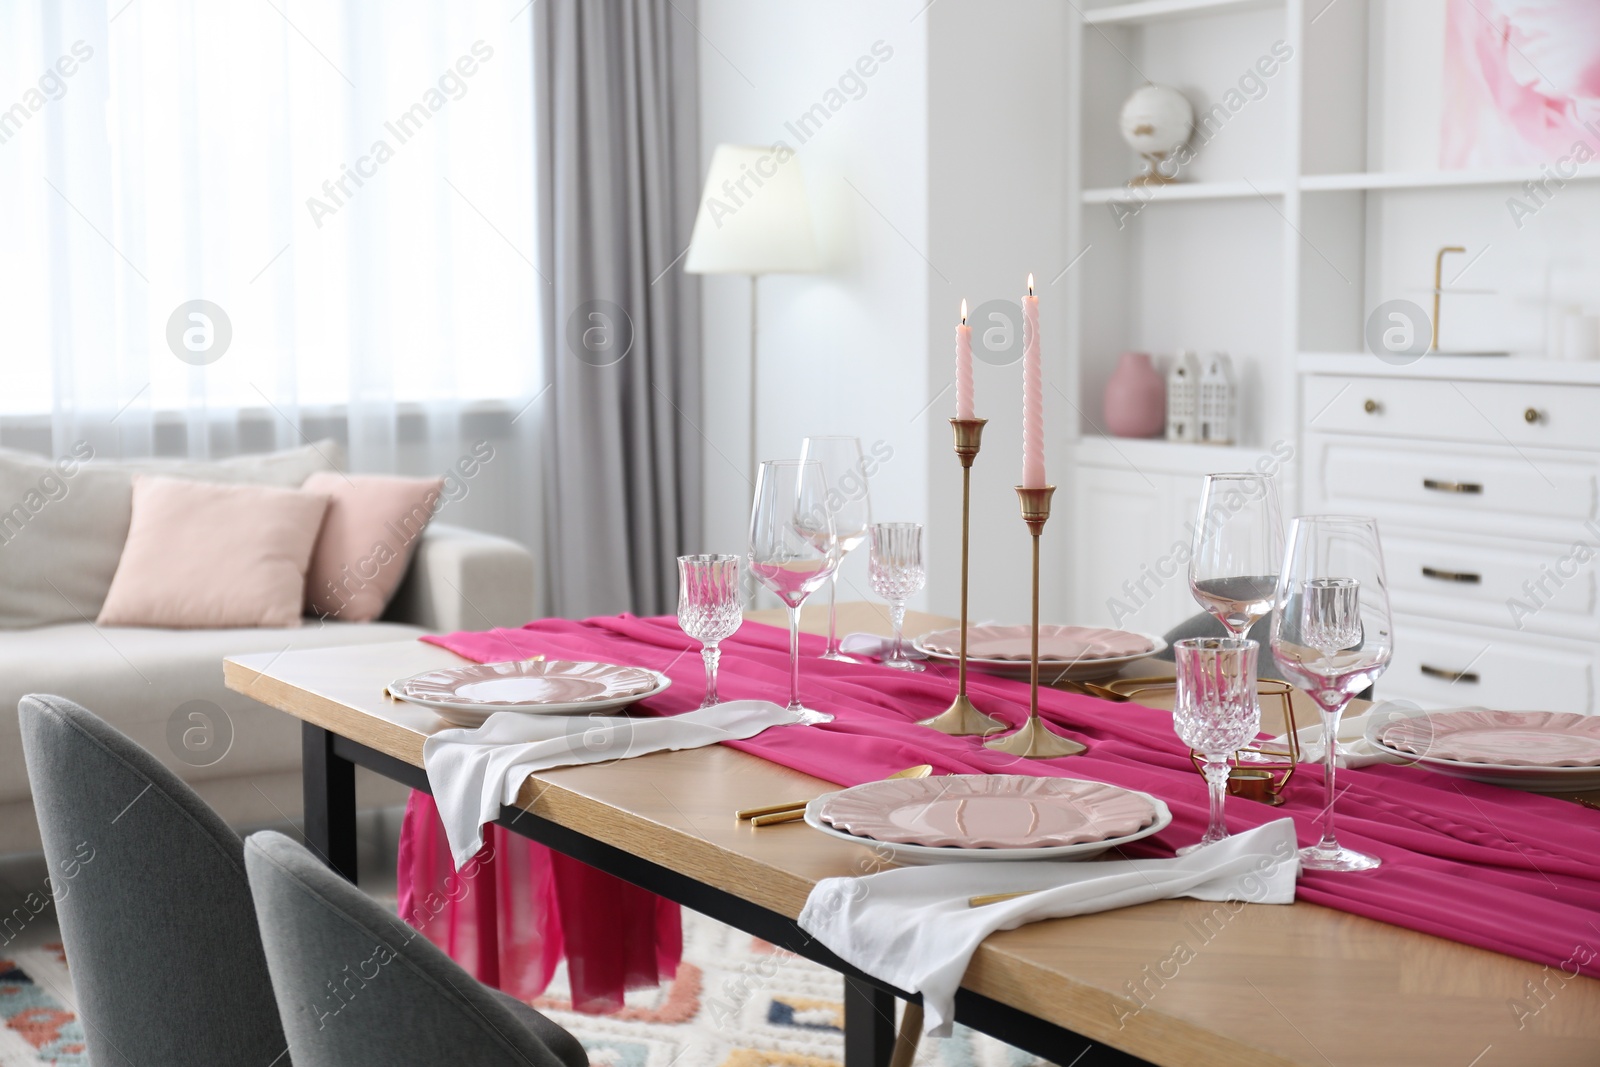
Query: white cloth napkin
{"points": [[474, 771], [912, 927], [874, 645], [1353, 750]]}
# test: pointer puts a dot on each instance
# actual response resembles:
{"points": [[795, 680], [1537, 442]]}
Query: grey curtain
{"points": [[618, 162]]}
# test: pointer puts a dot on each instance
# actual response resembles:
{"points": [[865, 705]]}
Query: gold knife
{"points": [[797, 808], [997, 898]]}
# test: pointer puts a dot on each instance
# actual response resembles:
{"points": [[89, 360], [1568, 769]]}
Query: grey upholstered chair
{"points": [[150, 890], [1205, 624], [356, 985]]}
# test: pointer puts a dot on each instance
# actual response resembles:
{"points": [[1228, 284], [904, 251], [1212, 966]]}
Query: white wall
{"points": [[997, 103], [843, 351]]}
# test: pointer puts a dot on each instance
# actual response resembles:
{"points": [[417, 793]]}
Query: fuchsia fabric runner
{"points": [[1488, 866]]}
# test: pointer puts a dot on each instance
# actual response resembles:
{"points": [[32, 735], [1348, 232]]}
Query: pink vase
{"points": [[1136, 398]]}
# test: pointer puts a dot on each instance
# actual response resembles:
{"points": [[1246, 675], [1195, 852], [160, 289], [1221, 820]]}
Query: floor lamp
{"points": [[753, 219]]}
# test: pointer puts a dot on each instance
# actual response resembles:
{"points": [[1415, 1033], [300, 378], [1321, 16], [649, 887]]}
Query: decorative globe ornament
{"points": [[1156, 121]]}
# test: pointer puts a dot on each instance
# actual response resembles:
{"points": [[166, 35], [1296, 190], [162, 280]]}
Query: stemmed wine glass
{"points": [[1216, 712], [1332, 634], [709, 609], [793, 550], [1238, 549], [1237, 552], [844, 472], [897, 572]]}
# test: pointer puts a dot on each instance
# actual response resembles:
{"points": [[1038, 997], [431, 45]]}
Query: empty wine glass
{"points": [[844, 472], [897, 572], [709, 609], [1237, 550], [1332, 634], [1216, 712], [792, 550]]}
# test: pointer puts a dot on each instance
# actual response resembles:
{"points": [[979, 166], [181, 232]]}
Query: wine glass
{"points": [[792, 550], [844, 472], [1237, 550], [896, 570], [709, 609], [1216, 712], [1332, 634]]}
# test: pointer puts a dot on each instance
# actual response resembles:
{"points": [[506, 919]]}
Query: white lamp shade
{"points": [[753, 217]]}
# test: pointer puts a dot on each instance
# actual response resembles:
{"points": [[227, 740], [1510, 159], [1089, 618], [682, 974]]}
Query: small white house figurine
{"points": [[1183, 398], [1219, 408]]}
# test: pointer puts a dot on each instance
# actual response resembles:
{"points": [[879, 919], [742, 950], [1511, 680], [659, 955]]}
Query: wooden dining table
{"points": [[1259, 984]]}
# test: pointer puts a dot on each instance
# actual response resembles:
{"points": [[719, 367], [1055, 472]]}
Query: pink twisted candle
{"points": [[1032, 395], [964, 405]]}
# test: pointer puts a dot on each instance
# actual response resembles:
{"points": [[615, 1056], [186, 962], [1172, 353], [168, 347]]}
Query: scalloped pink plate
{"points": [[988, 811], [1067, 643], [527, 683], [1506, 738]]}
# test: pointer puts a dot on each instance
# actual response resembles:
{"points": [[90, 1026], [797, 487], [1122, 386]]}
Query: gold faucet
{"points": [[1438, 287]]}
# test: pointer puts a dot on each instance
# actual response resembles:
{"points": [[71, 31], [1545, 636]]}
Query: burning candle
{"points": [[1032, 395], [964, 367]]}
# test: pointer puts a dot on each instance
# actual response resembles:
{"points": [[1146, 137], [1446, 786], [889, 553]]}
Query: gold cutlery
{"points": [[795, 810], [996, 898]]}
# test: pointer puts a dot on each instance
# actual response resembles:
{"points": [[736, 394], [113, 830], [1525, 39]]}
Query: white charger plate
{"points": [[1512, 776], [1050, 670], [923, 855]]}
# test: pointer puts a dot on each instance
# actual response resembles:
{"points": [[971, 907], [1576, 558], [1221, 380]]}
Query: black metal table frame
{"points": [[329, 764]]}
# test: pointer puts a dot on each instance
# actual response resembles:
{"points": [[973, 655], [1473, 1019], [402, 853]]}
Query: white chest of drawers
{"points": [[1487, 494]]}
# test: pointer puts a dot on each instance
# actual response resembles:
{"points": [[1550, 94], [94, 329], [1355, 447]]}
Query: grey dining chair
{"points": [[1205, 624], [356, 985], [150, 890]]}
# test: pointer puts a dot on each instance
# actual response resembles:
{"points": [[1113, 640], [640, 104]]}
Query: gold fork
{"points": [[794, 811]]}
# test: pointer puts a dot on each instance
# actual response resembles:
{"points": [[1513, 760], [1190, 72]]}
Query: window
{"points": [[347, 187]]}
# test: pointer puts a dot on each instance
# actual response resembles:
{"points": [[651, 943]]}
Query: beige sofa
{"points": [[164, 687]]}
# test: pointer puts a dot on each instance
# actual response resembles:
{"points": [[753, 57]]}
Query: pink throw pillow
{"points": [[372, 527], [202, 555]]}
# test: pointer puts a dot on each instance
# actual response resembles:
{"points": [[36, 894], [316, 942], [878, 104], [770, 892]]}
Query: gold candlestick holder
{"points": [[1036, 740], [961, 719]]}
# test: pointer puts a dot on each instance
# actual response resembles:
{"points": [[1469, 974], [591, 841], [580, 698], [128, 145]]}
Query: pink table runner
{"points": [[1509, 871]]}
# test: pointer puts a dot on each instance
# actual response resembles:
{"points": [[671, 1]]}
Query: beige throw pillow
{"points": [[63, 522], [372, 527], [206, 556]]}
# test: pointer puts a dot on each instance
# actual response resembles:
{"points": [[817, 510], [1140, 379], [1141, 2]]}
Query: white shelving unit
{"points": [[1158, 194], [1314, 197], [1158, 10]]}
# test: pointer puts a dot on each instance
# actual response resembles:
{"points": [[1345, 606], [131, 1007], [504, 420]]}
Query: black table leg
{"points": [[869, 1024], [330, 800]]}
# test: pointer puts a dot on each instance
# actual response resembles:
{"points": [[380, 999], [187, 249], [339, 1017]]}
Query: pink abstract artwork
{"points": [[1521, 82]]}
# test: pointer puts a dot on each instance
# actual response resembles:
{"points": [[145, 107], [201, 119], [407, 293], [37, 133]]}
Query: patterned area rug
{"points": [[736, 1002], [739, 1002], [37, 1023]]}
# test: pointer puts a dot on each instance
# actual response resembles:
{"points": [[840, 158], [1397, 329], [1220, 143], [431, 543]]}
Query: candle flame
{"points": [[1030, 283], [963, 311]]}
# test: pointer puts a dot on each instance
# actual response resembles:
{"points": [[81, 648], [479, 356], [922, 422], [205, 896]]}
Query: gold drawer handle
{"points": [[1372, 407], [1466, 577], [1438, 486], [1470, 677], [1532, 415]]}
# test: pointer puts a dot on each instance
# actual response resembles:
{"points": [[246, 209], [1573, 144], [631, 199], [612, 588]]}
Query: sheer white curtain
{"points": [[349, 186]]}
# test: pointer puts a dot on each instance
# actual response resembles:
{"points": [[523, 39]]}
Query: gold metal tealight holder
{"points": [[962, 719], [1036, 740]]}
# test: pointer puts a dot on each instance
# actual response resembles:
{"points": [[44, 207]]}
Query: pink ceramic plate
{"points": [[1056, 643], [988, 811], [1507, 738], [527, 683]]}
